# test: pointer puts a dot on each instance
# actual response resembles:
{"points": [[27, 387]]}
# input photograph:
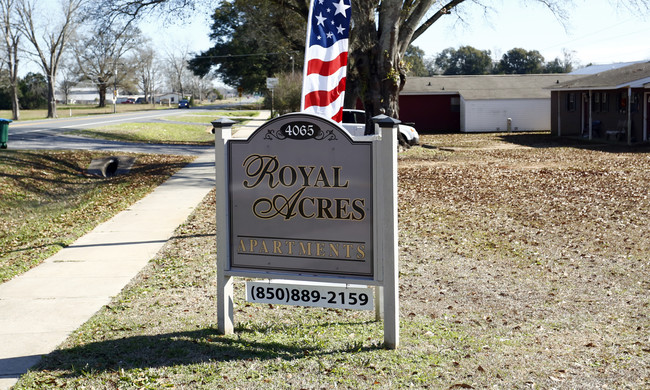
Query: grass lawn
{"points": [[64, 110], [170, 133], [80, 110], [523, 265], [48, 201], [209, 116], [167, 131]]}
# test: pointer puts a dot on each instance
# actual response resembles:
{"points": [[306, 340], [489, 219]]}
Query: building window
{"points": [[604, 102], [455, 104], [595, 102], [635, 102], [571, 101], [622, 102]]}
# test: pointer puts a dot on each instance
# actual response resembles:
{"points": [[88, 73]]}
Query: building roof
{"points": [[597, 68], [482, 87], [636, 75]]}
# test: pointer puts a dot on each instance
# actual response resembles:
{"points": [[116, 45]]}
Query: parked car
{"points": [[354, 121], [183, 103], [129, 101]]}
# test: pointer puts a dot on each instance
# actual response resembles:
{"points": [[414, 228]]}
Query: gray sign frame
{"points": [[383, 184]]}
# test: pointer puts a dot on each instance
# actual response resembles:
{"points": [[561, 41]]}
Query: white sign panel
{"points": [[271, 82], [311, 294]]}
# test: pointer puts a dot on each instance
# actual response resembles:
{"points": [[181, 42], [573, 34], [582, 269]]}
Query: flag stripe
{"points": [[338, 117], [327, 68], [315, 82], [329, 53], [328, 112], [324, 98]]}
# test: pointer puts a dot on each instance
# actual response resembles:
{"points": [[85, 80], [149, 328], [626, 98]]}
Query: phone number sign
{"points": [[300, 200]]}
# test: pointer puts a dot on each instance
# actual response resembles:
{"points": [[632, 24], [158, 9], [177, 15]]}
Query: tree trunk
{"points": [[51, 98], [15, 103], [13, 75], [102, 93], [375, 57]]}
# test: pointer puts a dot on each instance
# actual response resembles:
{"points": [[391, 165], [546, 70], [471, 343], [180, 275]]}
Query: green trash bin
{"points": [[4, 132]]}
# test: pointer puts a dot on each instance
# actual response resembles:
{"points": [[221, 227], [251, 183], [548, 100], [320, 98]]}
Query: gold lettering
{"points": [[242, 246], [301, 207], [283, 177], [277, 247], [305, 174], [334, 250], [322, 178], [290, 245], [342, 209], [253, 244], [260, 166], [307, 250], [358, 206], [361, 254], [264, 249], [337, 178], [347, 250], [324, 205], [320, 252]]}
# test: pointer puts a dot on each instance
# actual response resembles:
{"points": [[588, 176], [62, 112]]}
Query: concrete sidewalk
{"points": [[244, 131], [40, 308]]}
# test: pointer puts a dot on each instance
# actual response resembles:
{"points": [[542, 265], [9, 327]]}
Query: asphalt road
{"points": [[51, 134]]}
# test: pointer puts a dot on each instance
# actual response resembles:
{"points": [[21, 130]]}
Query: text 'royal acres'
{"points": [[266, 170]]}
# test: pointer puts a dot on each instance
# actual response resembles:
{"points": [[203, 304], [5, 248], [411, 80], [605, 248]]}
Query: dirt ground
{"points": [[539, 245], [523, 265], [534, 249]]}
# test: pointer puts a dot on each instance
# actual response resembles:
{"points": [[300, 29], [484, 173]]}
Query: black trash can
{"points": [[4, 132]]}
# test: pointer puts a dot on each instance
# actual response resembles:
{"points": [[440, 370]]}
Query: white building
{"points": [[479, 103]]}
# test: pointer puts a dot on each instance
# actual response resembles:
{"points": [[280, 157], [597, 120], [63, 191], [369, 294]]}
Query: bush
{"points": [[286, 96]]}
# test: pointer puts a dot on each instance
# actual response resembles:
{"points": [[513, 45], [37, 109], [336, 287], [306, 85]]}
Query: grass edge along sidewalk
{"points": [[41, 307]]}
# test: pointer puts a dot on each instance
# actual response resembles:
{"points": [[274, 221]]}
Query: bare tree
{"points": [[147, 71], [49, 42], [99, 54], [111, 10], [178, 72], [381, 32], [66, 81], [201, 85], [11, 42]]}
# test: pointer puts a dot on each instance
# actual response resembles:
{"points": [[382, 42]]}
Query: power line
{"points": [[588, 35], [288, 53]]}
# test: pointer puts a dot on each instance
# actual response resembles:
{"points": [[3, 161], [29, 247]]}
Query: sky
{"points": [[596, 31]]}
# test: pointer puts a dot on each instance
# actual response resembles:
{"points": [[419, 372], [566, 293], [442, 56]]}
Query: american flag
{"points": [[326, 58]]}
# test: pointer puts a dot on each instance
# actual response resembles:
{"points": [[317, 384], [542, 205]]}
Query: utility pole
{"points": [[115, 86]]}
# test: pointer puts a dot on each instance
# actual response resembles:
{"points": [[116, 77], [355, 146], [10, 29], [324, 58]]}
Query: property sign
{"points": [[272, 82], [301, 200]]}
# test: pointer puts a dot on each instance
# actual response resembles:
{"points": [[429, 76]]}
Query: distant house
{"points": [[613, 104], [168, 98], [480, 103], [82, 93], [87, 93]]}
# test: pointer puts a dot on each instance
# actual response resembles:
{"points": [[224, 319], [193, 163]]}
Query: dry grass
{"points": [[524, 264]]}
